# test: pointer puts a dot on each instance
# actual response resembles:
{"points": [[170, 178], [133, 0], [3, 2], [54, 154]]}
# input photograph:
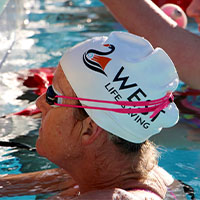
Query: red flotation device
{"points": [[29, 111], [182, 3], [37, 80]]}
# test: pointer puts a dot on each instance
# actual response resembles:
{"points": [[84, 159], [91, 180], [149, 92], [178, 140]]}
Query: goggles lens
{"points": [[51, 96]]}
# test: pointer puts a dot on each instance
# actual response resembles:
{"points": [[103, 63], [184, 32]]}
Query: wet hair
{"points": [[144, 155], [125, 146]]}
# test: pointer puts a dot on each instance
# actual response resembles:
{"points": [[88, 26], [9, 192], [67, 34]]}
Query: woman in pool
{"points": [[102, 141]]}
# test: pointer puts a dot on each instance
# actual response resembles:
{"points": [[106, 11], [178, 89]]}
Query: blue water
{"points": [[49, 29]]}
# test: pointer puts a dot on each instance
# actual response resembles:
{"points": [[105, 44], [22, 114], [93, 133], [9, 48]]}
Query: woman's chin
{"points": [[39, 148]]}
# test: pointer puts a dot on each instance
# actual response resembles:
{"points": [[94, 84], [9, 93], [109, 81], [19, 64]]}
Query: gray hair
{"points": [[125, 146], [144, 155]]}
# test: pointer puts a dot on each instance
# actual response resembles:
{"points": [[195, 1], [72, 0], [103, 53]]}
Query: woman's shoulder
{"points": [[144, 195], [117, 193], [162, 174]]}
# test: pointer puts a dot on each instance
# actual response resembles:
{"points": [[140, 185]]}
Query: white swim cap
{"points": [[122, 67]]}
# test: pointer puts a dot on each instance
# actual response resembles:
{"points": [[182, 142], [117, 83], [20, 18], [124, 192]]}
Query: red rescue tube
{"points": [[182, 3], [39, 79], [29, 111]]}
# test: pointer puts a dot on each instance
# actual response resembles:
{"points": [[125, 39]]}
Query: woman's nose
{"points": [[42, 105]]}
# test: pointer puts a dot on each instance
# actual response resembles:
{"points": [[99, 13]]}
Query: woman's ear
{"points": [[90, 131]]}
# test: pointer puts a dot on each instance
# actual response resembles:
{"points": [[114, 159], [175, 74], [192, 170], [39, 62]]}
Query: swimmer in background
{"points": [[106, 154], [145, 19]]}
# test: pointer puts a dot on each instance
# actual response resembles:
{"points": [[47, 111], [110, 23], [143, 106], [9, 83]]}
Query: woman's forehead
{"points": [[58, 74], [60, 82]]}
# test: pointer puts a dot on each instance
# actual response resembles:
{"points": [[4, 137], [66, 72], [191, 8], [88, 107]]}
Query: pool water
{"points": [[50, 27]]}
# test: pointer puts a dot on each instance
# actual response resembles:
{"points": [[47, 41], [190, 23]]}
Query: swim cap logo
{"points": [[97, 60]]}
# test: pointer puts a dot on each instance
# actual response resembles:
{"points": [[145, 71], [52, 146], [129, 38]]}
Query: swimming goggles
{"points": [[155, 106]]}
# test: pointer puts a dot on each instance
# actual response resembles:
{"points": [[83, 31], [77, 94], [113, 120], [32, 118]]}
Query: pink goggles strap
{"points": [[154, 106]]}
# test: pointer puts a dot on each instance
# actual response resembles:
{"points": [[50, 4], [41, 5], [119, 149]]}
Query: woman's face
{"points": [[193, 10], [59, 133]]}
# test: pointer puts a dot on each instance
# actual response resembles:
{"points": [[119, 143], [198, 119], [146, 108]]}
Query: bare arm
{"points": [[144, 18], [46, 181]]}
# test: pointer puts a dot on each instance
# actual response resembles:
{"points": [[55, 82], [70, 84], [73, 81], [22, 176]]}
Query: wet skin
{"points": [[55, 141]]}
